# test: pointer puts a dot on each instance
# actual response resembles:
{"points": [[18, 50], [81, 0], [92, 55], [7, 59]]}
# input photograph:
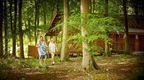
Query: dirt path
{"points": [[59, 71], [111, 68]]}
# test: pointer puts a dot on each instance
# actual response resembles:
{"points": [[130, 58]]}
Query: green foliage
{"points": [[114, 7], [98, 28], [15, 63], [74, 6], [12, 63]]}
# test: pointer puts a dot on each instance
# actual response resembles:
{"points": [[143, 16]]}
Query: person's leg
{"points": [[45, 57], [53, 62], [40, 60]]}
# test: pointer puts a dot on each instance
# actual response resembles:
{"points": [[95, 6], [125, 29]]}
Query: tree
{"points": [[1, 28], [106, 8], [44, 12], [88, 60], [20, 29], [14, 29], [5, 26], [106, 15], [127, 50], [64, 37], [92, 6], [36, 19]]}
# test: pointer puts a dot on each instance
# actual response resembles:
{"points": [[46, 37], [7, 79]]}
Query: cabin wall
{"points": [[118, 43], [32, 51], [141, 39], [136, 42]]}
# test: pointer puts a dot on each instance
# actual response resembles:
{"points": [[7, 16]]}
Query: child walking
{"points": [[52, 49], [41, 44]]}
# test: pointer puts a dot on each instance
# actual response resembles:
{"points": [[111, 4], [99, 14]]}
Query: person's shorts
{"points": [[42, 56]]}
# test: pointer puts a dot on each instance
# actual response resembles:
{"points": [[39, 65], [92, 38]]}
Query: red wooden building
{"points": [[136, 40], [136, 35]]}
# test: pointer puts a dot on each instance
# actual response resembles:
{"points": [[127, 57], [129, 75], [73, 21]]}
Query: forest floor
{"points": [[116, 67]]}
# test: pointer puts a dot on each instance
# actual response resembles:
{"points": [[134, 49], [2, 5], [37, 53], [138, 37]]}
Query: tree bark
{"points": [[35, 32], [106, 8], [86, 54], [64, 54], [106, 15], [91, 6], [127, 50], [5, 27], [29, 36], [36, 19], [10, 12], [94, 5], [20, 30], [45, 12], [1, 28], [14, 29], [88, 61], [45, 18]]}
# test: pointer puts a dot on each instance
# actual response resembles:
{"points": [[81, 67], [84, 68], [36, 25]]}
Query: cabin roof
{"points": [[131, 31], [136, 30], [135, 23], [53, 31]]}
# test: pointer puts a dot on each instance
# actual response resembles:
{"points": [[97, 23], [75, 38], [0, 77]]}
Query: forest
{"points": [[71, 39]]}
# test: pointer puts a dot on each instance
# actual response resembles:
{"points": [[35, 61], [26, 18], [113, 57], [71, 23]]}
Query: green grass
{"points": [[11, 63]]}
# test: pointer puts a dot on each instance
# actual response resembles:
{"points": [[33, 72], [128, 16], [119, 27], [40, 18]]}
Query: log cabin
{"points": [[136, 35]]}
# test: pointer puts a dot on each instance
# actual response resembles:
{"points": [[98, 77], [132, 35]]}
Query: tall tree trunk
{"points": [[10, 12], [14, 29], [64, 54], [88, 61], [86, 54], [20, 29], [106, 15], [106, 8], [91, 6], [35, 32], [36, 19], [5, 27], [127, 50], [29, 36], [94, 5], [44, 16], [1, 28]]}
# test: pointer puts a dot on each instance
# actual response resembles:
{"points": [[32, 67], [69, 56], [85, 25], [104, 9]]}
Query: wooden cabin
{"points": [[136, 40], [136, 36], [53, 31], [32, 51]]}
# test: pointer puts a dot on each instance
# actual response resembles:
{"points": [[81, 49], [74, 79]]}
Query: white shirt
{"points": [[52, 47]]}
